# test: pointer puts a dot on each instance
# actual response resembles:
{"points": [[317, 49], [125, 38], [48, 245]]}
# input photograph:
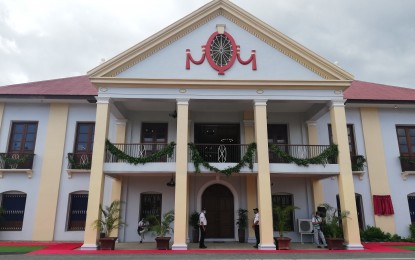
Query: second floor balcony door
{"points": [[278, 135], [154, 138], [218, 142], [22, 142], [84, 143]]}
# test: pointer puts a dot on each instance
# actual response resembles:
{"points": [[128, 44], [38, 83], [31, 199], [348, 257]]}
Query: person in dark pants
{"points": [[202, 226], [255, 225]]}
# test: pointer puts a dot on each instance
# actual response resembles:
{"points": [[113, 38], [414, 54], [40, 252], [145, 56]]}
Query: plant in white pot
{"points": [[161, 228], [283, 216], [110, 220]]}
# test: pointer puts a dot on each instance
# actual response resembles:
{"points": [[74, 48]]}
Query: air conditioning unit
{"points": [[305, 226]]}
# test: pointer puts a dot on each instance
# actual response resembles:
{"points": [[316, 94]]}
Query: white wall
{"points": [[399, 188], [79, 181], [19, 181]]}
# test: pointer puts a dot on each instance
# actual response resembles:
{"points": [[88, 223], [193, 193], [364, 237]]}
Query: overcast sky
{"points": [[46, 39]]}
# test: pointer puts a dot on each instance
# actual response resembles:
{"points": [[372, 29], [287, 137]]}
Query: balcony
{"points": [[220, 153], [144, 153], [79, 161], [16, 162], [284, 152], [407, 165]]}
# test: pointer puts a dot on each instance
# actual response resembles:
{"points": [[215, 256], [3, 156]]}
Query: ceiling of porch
{"points": [[217, 105]]}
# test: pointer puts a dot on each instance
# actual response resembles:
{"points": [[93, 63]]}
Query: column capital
{"points": [[311, 123], [337, 103], [103, 100], [182, 101], [260, 102], [121, 121], [249, 122]]}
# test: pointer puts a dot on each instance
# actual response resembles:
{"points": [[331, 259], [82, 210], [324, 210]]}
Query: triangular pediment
{"points": [[173, 41]]}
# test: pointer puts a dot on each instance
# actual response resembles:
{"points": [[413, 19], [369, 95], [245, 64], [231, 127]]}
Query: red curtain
{"points": [[383, 205]]}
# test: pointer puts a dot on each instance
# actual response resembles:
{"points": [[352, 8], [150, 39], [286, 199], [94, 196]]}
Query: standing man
{"points": [[255, 226], [142, 228], [202, 226], [318, 234]]}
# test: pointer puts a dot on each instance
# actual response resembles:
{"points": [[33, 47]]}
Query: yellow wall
{"points": [[375, 157], [44, 224]]}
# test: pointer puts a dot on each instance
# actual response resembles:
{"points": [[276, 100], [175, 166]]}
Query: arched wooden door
{"points": [[218, 201]]}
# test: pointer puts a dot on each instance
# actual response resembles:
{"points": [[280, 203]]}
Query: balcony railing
{"points": [[220, 153], [140, 151], [300, 152], [407, 163], [16, 160], [79, 161]]}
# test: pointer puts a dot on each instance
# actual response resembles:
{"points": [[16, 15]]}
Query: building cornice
{"points": [[220, 84]]}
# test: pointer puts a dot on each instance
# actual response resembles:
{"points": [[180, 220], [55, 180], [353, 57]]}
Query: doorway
{"points": [[218, 142], [218, 201]]}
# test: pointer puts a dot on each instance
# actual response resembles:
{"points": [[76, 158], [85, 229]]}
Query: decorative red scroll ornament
{"points": [[221, 52]]}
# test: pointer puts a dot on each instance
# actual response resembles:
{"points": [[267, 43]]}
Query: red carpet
{"points": [[73, 248]]}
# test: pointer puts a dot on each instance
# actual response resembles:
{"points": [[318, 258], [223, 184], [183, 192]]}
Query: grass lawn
{"points": [[412, 248], [19, 249]]}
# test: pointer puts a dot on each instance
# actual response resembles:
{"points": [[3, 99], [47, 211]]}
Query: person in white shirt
{"points": [[202, 226], [318, 234], [255, 226], [142, 228]]}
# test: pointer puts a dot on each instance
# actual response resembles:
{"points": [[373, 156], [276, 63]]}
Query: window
{"points": [[411, 205], [22, 144], [84, 142], [13, 205], [283, 200], [350, 135], [78, 204], [23, 137], [406, 142], [150, 205]]}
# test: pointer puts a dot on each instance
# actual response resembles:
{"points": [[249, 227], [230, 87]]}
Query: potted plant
{"points": [[194, 222], [110, 220], [161, 228], [283, 215], [332, 227], [242, 223]]}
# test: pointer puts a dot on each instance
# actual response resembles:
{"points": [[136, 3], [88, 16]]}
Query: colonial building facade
{"points": [[218, 110]]}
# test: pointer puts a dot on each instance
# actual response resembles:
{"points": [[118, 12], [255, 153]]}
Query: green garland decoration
{"points": [[246, 159], [324, 158], [166, 151], [11, 161]]}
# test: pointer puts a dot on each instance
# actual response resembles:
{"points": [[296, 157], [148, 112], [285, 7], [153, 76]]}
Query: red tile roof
{"points": [[366, 91], [72, 86], [81, 86]]}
